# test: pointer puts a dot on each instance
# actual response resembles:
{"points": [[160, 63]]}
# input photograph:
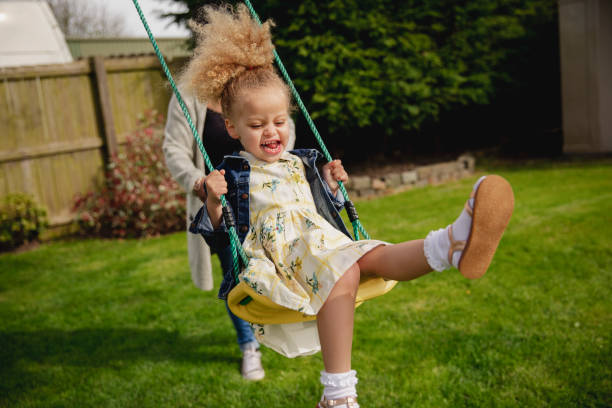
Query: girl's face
{"points": [[260, 121]]}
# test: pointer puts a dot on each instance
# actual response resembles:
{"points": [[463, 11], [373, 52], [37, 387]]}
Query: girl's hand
{"points": [[216, 186], [334, 172]]}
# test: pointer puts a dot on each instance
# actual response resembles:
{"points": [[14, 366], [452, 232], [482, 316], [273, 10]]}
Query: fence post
{"points": [[104, 105]]}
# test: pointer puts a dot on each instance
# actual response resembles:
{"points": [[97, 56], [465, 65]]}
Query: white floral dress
{"points": [[296, 256]]}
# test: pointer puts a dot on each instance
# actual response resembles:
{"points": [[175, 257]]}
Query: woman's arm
{"points": [[291, 141], [178, 145]]}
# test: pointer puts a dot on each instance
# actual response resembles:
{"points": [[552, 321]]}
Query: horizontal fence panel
{"points": [[43, 71], [50, 149]]}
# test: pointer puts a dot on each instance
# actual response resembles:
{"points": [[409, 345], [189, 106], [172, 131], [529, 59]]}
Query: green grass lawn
{"points": [[97, 323]]}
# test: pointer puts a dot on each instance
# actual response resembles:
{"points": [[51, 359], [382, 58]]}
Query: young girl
{"points": [[286, 211]]}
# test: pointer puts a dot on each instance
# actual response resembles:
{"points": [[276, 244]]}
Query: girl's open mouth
{"points": [[272, 147]]}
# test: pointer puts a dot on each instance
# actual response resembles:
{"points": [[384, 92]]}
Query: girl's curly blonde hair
{"points": [[233, 53]]}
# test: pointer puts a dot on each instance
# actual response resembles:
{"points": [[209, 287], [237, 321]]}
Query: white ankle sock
{"points": [[437, 244], [436, 249], [339, 385]]}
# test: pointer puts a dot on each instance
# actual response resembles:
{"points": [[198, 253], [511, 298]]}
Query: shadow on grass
{"points": [[100, 347], [24, 353]]}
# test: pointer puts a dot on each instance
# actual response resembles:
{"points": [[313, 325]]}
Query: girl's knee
{"points": [[350, 280], [368, 263]]}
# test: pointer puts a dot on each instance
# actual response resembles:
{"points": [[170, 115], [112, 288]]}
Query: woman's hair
{"points": [[233, 53]]}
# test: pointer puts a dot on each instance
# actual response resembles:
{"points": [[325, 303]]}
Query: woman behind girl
{"points": [[186, 165], [301, 255]]}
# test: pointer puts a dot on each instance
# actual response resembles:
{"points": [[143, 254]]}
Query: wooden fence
{"points": [[59, 123]]}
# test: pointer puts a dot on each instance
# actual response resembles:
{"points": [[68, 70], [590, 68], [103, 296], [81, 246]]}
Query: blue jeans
{"points": [[246, 338], [244, 331]]}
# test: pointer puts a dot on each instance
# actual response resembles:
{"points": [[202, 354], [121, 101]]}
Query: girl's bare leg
{"points": [[401, 262], [335, 322]]}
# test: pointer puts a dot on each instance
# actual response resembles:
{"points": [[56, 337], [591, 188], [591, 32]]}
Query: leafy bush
{"points": [[21, 220], [138, 198], [376, 74]]}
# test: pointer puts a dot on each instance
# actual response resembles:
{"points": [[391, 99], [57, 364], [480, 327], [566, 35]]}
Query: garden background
{"points": [[385, 82], [422, 77], [116, 322]]}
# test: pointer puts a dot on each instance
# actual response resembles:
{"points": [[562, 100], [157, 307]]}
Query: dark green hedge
{"points": [[387, 74]]}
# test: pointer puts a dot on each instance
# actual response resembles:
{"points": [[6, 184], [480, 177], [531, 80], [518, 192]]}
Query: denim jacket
{"points": [[237, 173]]}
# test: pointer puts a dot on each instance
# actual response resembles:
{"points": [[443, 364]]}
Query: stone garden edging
{"points": [[433, 174]]}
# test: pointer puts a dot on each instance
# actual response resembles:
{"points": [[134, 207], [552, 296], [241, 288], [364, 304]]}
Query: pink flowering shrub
{"points": [[138, 198]]}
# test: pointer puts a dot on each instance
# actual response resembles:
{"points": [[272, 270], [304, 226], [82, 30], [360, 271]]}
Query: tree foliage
{"points": [[78, 18], [382, 69]]}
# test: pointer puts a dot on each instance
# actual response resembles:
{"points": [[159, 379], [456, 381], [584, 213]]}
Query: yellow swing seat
{"points": [[261, 310]]}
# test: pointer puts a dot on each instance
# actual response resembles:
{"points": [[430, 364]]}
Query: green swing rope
{"points": [[236, 247]]}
